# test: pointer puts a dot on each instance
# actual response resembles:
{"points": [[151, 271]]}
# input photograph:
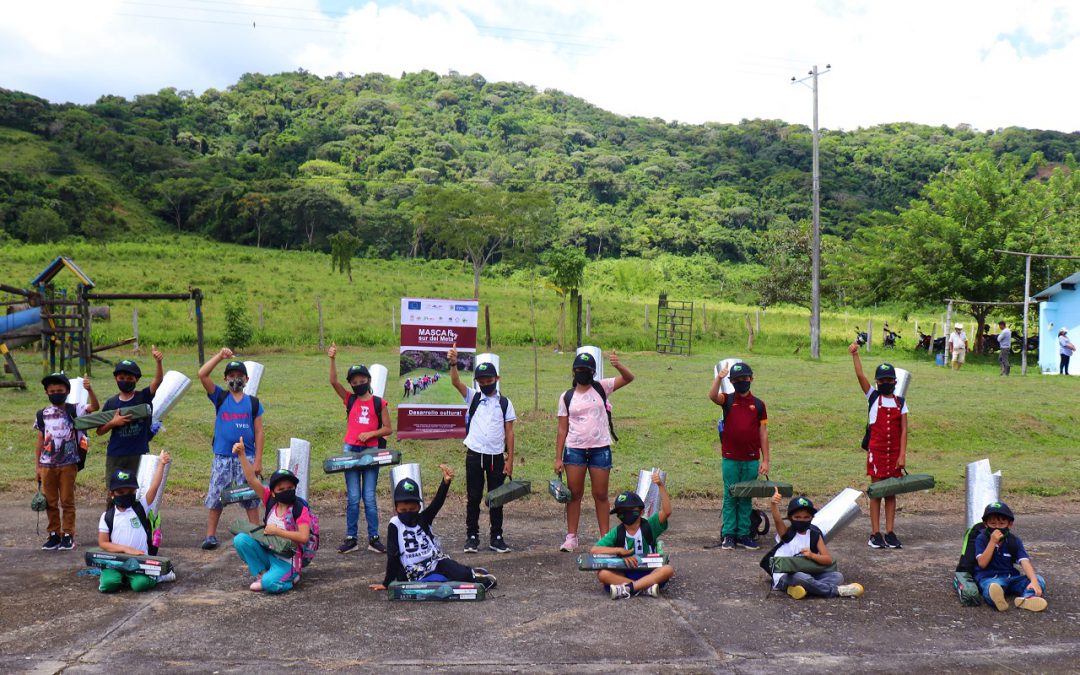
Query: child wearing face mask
{"points": [[129, 439], [57, 451], [632, 539], [744, 448], [287, 516], [885, 443], [239, 418], [802, 538], [413, 552], [997, 552], [367, 426], [489, 449], [123, 528]]}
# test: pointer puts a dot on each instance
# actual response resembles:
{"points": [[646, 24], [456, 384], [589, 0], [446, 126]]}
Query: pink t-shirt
{"points": [[588, 426], [362, 419]]}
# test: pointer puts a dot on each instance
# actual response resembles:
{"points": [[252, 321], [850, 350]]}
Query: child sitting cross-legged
{"points": [[635, 537]]}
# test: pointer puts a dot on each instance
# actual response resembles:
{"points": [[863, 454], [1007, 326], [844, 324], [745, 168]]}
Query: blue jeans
{"points": [[822, 585], [354, 479], [277, 573], [1013, 584]]}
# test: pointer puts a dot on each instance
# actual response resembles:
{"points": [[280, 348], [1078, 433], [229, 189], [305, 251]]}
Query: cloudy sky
{"points": [[990, 63]]}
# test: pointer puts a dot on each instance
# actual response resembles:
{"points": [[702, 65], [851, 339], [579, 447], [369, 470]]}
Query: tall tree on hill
{"points": [[565, 273], [314, 210], [343, 246], [253, 207]]}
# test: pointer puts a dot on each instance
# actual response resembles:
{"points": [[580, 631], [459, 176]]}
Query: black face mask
{"points": [[57, 399], [124, 501], [800, 526], [488, 389], [741, 387], [629, 517], [286, 496], [584, 377], [886, 389], [126, 386], [409, 518], [361, 389]]}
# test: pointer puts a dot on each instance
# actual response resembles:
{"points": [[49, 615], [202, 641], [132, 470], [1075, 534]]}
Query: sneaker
{"points": [[997, 596], [876, 541], [484, 578], [67, 542], [498, 545], [653, 591], [166, 578], [849, 590], [727, 543], [620, 591], [1031, 603], [375, 545], [748, 542], [570, 544], [347, 546], [52, 543], [210, 543], [472, 544], [892, 541], [796, 592]]}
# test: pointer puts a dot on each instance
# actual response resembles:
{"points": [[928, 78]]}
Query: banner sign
{"points": [[430, 406]]}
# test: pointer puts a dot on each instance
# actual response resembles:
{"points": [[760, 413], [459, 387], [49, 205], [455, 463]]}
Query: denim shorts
{"points": [[594, 458]]}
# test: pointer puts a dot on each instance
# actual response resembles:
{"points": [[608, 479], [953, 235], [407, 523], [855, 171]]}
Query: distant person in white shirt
{"points": [[957, 344], [1067, 349], [1004, 339]]}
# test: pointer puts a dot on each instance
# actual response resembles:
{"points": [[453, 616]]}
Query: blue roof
{"points": [[1046, 294], [55, 267]]}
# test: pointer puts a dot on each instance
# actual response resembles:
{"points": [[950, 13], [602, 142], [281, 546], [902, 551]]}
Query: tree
{"points": [[565, 272], [343, 246], [784, 250], [314, 210], [42, 225], [238, 330], [253, 207]]}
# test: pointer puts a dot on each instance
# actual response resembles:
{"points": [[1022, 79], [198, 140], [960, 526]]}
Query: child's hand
{"points": [[996, 536], [376, 587], [272, 529], [225, 353], [332, 352], [763, 468], [723, 372], [238, 447], [1036, 588], [118, 420], [656, 479], [901, 461], [86, 384], [451, 356], [558, 467], [853, 348], [614, 359], [776, 498], [807, 553], [447, 473], [165, 457], [158, 356], [631, 561]]}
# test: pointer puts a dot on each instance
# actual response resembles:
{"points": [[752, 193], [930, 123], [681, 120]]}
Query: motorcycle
{"points": [[889, 337], [924, 343], [1032, 344], [860, 336]]}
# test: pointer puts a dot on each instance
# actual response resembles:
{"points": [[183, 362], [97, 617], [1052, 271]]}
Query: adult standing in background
{"points": [[957, 345], [1066, 348], [1004, 338]]}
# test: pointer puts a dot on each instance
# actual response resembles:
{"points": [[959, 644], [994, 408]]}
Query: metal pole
{"points": [[815, 289], [1027, 299]]}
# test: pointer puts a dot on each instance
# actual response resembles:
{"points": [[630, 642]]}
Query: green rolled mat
{"points": [[96, 419], [797, 563], [436, 590], [967, 589], [238, 493], [508, 492], [760, 488], [895, 486], [150, 565], [589, 562], [277, 545], [375, 457]]}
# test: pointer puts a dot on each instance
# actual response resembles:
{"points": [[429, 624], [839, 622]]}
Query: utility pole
{"points": [[815, 252]]}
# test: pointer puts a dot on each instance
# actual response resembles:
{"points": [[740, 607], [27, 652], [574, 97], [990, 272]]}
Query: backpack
{"points": [[504, 403], [110, 516], [80, 436], [648, 541], [220, 401], [599, 389], [870, 406], [307, 551], [729, 401], [967, 551], [815, 538], [378, 403]]}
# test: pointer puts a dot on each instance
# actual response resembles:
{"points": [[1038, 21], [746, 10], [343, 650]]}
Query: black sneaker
{"points": [[210, 543], [892, 541], [52, 543], [748, 542], [67, 542], [876, 541], [472, 544], [375, 545], [486, 579], [728, 543], [498, 545], [347, 546]]}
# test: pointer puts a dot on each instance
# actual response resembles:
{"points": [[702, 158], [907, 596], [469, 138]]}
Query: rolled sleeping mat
{"points": [[297, 458], [173, 386], [235, 494], [558, 490], [507, 492], [983, 487], [909, 482], [147, 466], [255, 373], [725, 384], [598, 357], [150, 565], [903, 380], [285, 548], [786, 564], [403, 471], [840, 512], [78, 393], [375, 457], [435, 590], [761, 488], [96, 419], [588, 562], [648, 491], [379, 373], [488, 358], [965, 587]]}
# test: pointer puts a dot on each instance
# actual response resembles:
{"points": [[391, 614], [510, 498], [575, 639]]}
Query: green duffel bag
{"points": [[760, 488], [508, 492], [895, 486], [96, 419], [965, 586], [797, 563], [279, 546]]}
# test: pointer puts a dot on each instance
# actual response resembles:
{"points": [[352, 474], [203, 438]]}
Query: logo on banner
{"points": [[414, 304]]}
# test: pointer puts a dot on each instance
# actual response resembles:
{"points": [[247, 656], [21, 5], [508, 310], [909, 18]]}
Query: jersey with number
{"points": [[415, 545]]}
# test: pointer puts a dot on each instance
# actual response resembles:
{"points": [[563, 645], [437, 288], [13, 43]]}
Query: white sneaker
{"points": [[653, 591], [569, 544], [849, 590], [620, 591], [166, 578]]}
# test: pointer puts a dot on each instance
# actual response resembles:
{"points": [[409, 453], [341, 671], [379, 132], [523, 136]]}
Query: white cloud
{"points": [[991, 64]]}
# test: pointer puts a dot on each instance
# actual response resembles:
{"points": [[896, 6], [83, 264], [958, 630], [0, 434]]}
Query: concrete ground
{"points": [[545, 616]]}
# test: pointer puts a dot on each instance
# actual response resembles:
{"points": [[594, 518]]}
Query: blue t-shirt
{"points": [[233, 423], [1003, 563], [134, 437]]}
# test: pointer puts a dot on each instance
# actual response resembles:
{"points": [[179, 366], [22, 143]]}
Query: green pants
{"points": [[114, 580], [737, 509]]}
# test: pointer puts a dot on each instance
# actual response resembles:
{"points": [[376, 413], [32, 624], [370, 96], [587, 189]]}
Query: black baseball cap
{"points": [[357, 370], [283, 474], [127, 366], [235, 367], [56, 378], [487, 369], [885, 370], [628, 500], [584, 360], [800, 503], [740, 369], [122, 478], [999, 509], [406, 491]]}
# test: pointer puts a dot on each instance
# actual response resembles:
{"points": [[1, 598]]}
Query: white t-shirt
{"points": [[275, 519], [882, 402], [792, 548], [487, 435], [957, 340], [127, 530], [639, 548]]}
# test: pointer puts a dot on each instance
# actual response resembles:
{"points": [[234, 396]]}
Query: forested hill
{"points": [[287, 160]]}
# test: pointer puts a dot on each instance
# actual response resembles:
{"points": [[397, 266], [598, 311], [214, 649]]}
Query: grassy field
{"points": [[1026, 426]]}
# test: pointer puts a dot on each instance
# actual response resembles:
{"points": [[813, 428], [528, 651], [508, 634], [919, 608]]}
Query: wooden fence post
{"points": [[322, 339], [135, 328], [487, 325], [588, 317]]}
